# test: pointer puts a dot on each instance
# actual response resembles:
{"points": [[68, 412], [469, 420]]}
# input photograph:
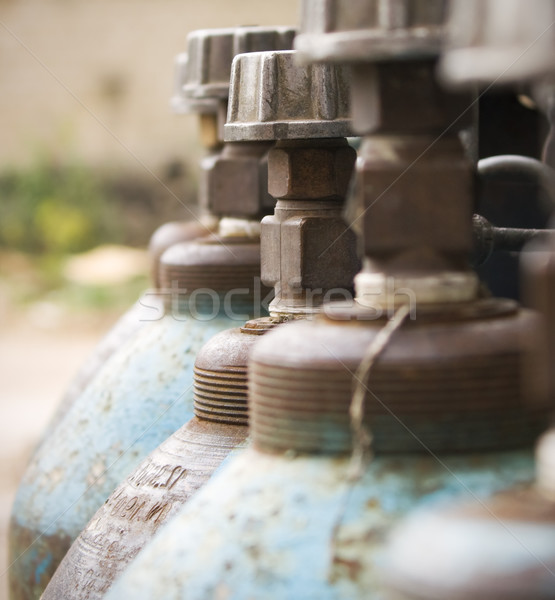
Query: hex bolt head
{"points": [[234, 182], [404, 97], [306, 172]]}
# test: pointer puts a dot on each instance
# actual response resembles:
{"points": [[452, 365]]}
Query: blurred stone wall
{"points": [[90, 81]]}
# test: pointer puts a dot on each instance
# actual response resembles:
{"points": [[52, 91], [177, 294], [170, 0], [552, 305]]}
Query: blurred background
{"points": [[91, 162]]}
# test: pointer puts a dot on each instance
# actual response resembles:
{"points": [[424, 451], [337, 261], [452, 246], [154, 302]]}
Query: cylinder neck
{"points": [[213, 276], [414, 196], [307, 251], [220, 374]]}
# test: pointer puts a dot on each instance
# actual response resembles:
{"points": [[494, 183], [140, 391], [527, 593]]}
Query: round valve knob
{"points": [[292, 101], [205, 80], [498, 41], [343, 30]]}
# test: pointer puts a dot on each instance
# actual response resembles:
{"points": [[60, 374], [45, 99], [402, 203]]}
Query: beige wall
{"points": [[91, 79]]}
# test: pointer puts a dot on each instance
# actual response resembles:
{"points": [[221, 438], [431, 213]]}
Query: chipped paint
{"points": [[275, 526], [139, 398]]}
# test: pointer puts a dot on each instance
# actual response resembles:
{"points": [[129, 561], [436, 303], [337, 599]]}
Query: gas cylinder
{"points": [[163, 482], [499, 548], [412, 394], [141, 395], [165, 236], [208, 285], [286, 518], [167, 478]]}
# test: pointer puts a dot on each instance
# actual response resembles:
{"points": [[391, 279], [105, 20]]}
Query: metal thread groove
{"points": [[453, 406], [221, 395]]}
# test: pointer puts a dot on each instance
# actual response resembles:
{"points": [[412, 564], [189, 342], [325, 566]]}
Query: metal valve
{"points": [[498, 41], [306, 248], [346, 30]]}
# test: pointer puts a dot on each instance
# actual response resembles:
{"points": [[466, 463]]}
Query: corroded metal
{"points": [[504, 545], [151, 495], [172, 233], [210, 53], [446, 399], [169, 476], [308, 252], [425, 394], [213, 264], [141, 395], [285, 518], [234, 182], [275, 526], [488, 239], [499, 548]]}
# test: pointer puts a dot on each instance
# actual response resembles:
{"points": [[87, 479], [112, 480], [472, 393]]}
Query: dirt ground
{"points": [[35, 366]]}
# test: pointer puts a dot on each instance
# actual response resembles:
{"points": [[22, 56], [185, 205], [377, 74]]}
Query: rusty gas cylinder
{"points": [[208, 286], [169, 476], [140, 396], [285, 519], [496, 549], [444, 410], [221, 366]]}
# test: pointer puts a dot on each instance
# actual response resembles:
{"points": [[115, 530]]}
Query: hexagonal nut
{"points": [[308, 253], [405, 97], [235, 182], [304, 172], [413, 196]]}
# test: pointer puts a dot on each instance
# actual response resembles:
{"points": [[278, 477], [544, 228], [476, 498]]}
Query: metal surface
{"points": [[352, 30], [427, 393], [405, 227], [499, 549], [508, 168], [172, 233], [307, 251], [234, 182], [488, 239], [148, 497], [210, 53], [219, 272], [168, 477], [274, 526], [142, 394], [293, 102], [498, 41]]}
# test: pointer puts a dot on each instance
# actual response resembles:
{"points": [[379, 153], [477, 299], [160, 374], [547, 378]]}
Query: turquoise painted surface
{"points": [[139, 398], [294, 527]]}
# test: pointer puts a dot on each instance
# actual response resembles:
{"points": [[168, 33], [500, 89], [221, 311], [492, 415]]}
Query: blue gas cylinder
{"points": [[141, 395], [288, 518]]}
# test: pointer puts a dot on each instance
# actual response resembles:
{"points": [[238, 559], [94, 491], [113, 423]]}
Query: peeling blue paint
{"points": [[269, 526], [41, 568], [138, 399]]}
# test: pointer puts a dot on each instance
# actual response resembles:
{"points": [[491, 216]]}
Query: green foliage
{"points": [[51, 210]]}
